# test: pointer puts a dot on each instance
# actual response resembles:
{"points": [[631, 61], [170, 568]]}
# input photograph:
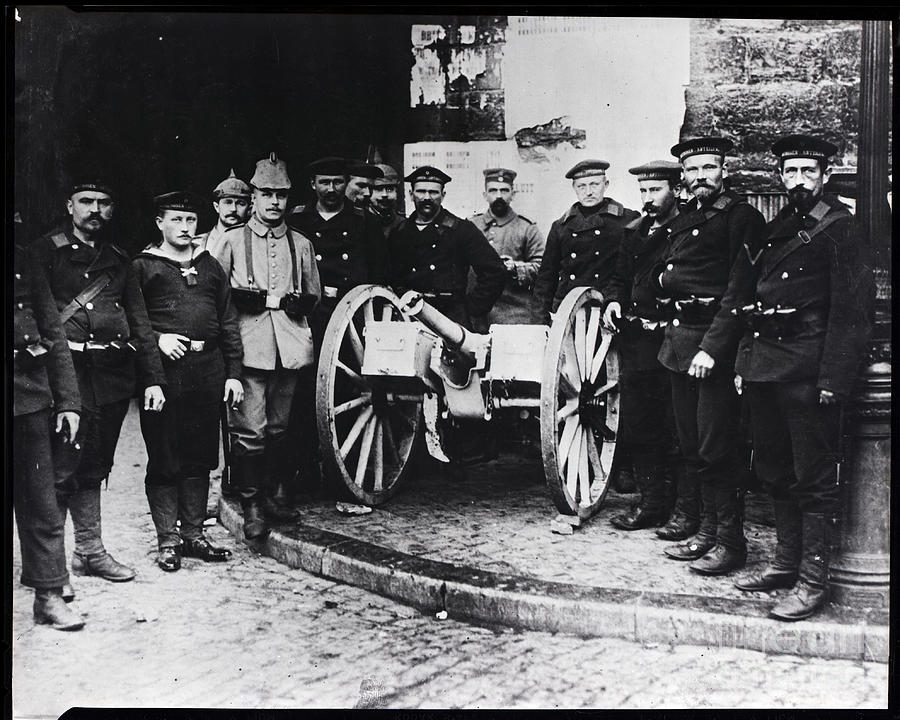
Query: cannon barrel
{"points": [[413, 304]]}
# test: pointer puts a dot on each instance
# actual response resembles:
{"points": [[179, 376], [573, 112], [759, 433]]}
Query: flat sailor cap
{"points": [[90, 184], [330, 165], [271, 173], [702, 146], [175, 200], [364, 170], [586, 168], [793, 146], [427, 173], [500, 175], [657, 170]]}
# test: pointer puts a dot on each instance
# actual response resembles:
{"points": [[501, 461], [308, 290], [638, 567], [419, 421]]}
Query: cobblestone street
{"points": [[253, 633]]}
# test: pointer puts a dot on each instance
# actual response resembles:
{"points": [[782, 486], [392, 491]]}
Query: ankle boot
{"points": [[685, 520], [252, 474], [811, 591], [730, 551], [704, 540], [102, 565], [650, 511], [781, 572], [90, 557], [51, 609]]}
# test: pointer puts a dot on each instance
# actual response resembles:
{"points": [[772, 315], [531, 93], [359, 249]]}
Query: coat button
{"points": [[26, 337], [272, 253], [695, 232], [596, 252], [800, 269], [596, 275], [596, 232], [433, 247], [318, 234], [345, 256], [668, 230], [784, 275], [431, 267], [676, 322], [18, 276], [86, 275], [90, 306], [574, 234], [21, 306], [756, 334], [769, 245], [319, 258], [118, 336], [670, 266], [344, 233], [574, 255], [571, 277], [74, 246], [413, 269]]}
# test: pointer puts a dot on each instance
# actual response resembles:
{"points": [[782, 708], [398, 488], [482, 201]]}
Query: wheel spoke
{"points": [[573, 461], [352, 375], [566, 387], [390, 445], [355, 342], [591, 339], [606, 388], [364, 399], [355, 431], [594, 457], [584, 480], [570, 409], [378, 459], [565, 440], [580, 333], [369, 311], [600, 357], [365, 450], [569, 365]]}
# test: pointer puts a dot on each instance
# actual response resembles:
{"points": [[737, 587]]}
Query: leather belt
{"points": [[200, 345], [34, 350], [92, 346], [330, 291], [646, 323]]}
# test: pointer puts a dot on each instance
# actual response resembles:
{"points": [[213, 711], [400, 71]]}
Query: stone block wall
{"points": [[753, 80]]}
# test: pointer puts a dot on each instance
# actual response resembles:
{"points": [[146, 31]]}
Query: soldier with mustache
{"points": [[804, 295], [700, 345], [114, 353], [232, 206], [383, 205]]}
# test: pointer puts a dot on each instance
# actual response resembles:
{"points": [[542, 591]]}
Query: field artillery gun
{"points": [[393, 369]]}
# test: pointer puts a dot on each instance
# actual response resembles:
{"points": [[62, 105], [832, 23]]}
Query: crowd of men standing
{"points": [[708, 300]]}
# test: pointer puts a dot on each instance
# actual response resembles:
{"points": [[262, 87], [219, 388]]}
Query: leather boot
{"points": [[252, 474], [282, 478], [163, 502], [696, 546], [811, 591], [730, 551], [51, 609], [621, 475], [782, 571], [193, 494], [90, 557], [685, 520], [650, 511]]}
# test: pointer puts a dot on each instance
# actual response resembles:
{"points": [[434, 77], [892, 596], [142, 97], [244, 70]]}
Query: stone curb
{"points": [[529, 603]]}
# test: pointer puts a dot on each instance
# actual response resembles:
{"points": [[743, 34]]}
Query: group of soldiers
{"points": [[708, 301]]}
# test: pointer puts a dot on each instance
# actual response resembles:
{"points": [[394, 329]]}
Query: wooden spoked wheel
{"points": [[579, 404], [366, 433]]}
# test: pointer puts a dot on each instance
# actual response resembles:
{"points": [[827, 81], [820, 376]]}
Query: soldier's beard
{"points": [[499, 207], [801, 197]]}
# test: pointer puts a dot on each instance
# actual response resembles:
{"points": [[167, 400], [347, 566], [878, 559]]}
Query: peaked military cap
{"points": [[657, 170], [364, 170], [586, 168], [702, 146], [176, 200], [330, 165], [389, 176], [271, 173], [793, 146], [232, 186], [90, 184], [427, 173], [500, 175]]}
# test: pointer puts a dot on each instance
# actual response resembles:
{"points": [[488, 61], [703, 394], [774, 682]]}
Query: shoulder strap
{"points": [[803, 237], [85, 296], [59, 239], [248, 254], [293, 251]]}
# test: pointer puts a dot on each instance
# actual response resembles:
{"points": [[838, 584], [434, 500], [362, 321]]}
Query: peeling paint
{"points": [[551, 134], [425, 35], [427, 79], [466, 64], [466, 34]]}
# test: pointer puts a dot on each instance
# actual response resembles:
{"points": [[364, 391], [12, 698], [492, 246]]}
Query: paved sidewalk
{"points": [[479, 545]]}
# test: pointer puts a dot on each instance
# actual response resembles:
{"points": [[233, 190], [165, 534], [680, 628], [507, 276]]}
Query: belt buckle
{"points": [[804, 236], [273, 301], [330, 291], [197, 345]]}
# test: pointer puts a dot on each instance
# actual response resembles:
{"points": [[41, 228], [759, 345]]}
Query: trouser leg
{"points": [[162, 496], [40, 521], [193, 492]]}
